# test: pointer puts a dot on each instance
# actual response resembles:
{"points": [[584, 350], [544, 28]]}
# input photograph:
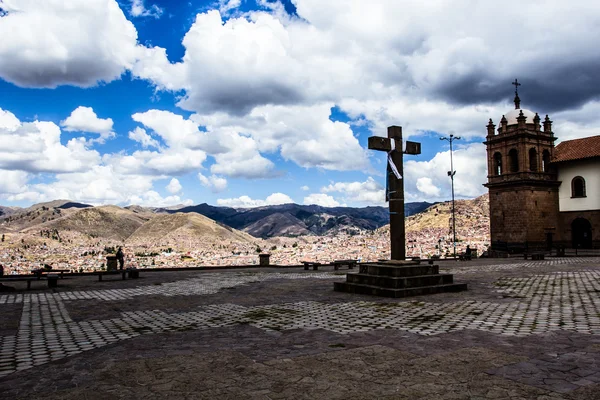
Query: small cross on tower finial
{"points": [[517, 99]]}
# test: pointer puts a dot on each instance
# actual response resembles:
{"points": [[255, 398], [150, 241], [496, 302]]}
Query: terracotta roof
{"points": [[577, 149]]}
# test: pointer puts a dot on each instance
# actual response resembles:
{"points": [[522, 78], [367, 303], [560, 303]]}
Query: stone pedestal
{"points": [[264, 259], [111, 263], [399, 279]]}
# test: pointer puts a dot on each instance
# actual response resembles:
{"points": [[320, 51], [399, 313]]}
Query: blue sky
{"points": [[245, 103]]}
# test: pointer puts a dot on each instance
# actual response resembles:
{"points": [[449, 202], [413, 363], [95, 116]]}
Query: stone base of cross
{"points": [[392, 144]]}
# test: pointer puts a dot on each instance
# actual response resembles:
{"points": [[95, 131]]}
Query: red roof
{"points": [[577, 149]]}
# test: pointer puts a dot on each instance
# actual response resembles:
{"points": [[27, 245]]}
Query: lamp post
{"points": [[451, 174]]}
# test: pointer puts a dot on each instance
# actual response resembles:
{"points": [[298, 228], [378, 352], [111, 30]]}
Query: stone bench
{"points": [[131, 273], [534, 256], [51, 278], [315, 265], [340, 263], [45, 272]]}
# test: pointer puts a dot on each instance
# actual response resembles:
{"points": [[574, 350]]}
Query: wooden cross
{"points": [[393, 146]]}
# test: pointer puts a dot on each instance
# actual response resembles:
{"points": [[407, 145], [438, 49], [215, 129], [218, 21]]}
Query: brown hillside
{"points": [[37, 214], [107, 222], [190, 229], [425, 229]]}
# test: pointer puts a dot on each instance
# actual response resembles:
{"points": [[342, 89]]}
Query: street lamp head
{"points": [[456, 138]]}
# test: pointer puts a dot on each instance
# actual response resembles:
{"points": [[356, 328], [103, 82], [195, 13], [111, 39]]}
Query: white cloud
{"points": [[321, 199], [384, 63], [215, 183], [84, 119], [156, 163], [139, 135], [425, 185], [55, 42], [368, 192], [429, 181], [235, 155], [13, 182], [249, 73], [36, 147], [247, 202], [138, 9], [226, 6], [302, 134], [305, 188], [174, 186], [80, 173], [99, 185]]}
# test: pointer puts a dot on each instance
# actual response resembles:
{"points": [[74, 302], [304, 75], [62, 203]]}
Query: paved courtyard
{"points": [[523, 330]]}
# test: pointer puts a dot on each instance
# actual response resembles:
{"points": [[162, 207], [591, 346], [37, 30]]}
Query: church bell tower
{"points": [[523, 188]]}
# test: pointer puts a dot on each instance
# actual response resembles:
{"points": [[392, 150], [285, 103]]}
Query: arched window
{"points": [[497, 163], [533, 160], [578, 187], [545, 160], [513, 159]]}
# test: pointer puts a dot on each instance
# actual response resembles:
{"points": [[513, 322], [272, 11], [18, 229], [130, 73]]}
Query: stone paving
{"points": [[535, 324]]}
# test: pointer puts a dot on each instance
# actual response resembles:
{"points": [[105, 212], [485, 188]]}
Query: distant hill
{"points": [[133, 224], [136, 222], [278, 224], [40, 213], [8, 210], [433, 226], [173, 228], [108, 222], [296, 220]]}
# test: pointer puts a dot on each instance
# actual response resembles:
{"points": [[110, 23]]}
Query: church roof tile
{"points": [[577, 149]]}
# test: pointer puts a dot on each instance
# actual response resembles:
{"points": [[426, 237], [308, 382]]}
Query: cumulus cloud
{"points": [[385, 63], [425, 185], [13, 182], [174, 186], [305, 188], [138, 9], [98, 185], [139, 135], [367, 192], [215, 183], [247, 202], [80, 173], [84, 119], [156, 163], [247, 74], [429, 181], [36, 147], [226, 6], [79, 42], [321, 199], [302, 134], [235, 155]]}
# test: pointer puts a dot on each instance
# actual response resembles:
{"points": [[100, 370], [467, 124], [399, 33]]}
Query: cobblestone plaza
{"points": [[523, 330]]}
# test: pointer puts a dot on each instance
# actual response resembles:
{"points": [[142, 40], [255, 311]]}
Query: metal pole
{"points": [[453, 215], [451, 174]]}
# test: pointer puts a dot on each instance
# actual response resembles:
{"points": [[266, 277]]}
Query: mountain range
{"points": [[122, 223]]}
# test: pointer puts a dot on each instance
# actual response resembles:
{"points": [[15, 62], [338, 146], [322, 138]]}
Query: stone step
{"points": [[400, 282], [397, 293], [399, 270]]}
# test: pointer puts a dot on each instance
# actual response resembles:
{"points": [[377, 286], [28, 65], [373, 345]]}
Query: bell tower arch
{"points": [[523, 188]]}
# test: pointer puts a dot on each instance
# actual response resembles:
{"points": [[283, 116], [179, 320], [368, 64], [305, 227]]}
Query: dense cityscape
{"points": [[428, 234]]}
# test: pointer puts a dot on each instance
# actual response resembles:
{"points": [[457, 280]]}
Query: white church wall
{"points": [[588, 170]]}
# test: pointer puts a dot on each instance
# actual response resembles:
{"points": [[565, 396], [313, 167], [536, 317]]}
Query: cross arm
{"points": [[380, 143]]}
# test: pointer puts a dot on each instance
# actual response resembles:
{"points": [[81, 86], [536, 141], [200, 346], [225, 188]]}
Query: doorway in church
{"points": [[581, 232]]}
